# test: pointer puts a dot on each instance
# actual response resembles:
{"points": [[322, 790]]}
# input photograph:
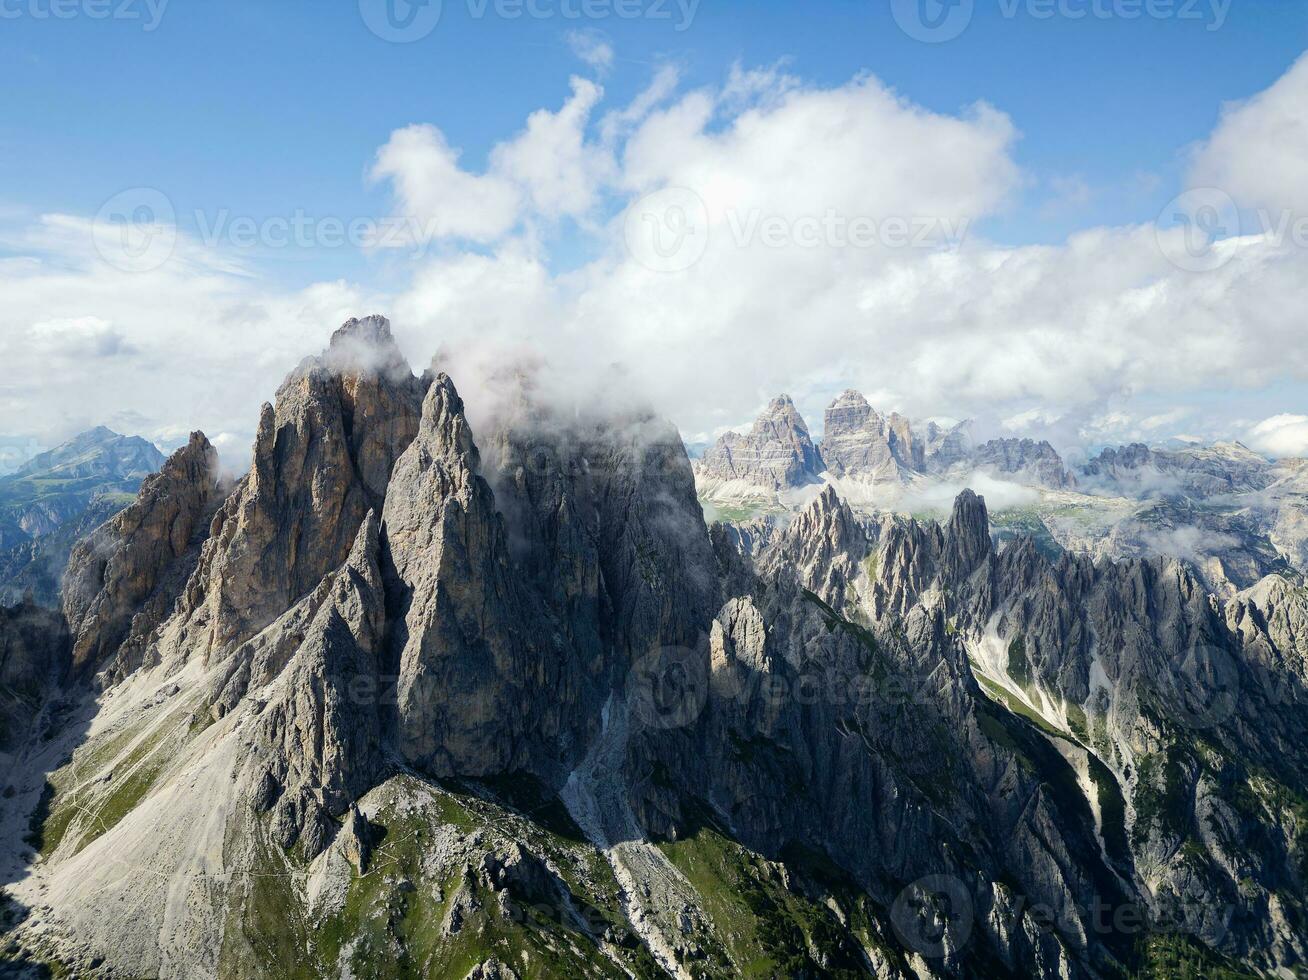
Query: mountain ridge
{"points": [[413, 700]]}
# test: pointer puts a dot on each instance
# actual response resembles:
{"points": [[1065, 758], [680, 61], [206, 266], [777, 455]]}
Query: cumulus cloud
{"points": [[958, 326], [559, 170], [834, 241], [443, 200], [749, 316], [1281, 436], [1259, 151]]}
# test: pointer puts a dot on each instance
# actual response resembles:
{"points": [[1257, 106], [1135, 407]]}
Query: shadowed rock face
{"points": [[860, 709], [34, 662], [1036, 463], [777, 453], [468, 653]]}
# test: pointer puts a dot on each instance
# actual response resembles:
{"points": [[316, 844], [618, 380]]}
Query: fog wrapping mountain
{"points": [[1235, 516], [412, 700]]}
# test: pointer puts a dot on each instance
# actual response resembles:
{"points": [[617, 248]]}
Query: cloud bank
{"points": [[705, 249]]}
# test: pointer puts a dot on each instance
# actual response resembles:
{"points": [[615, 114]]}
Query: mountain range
{"points": [[1235, 515], [60, 496], [410, 700]]}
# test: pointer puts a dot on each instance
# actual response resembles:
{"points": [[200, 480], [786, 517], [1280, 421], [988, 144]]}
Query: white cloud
{"points": [[443, 200], [1056, 338], [155, 353], [1280, 436], [78, 338], [1259, 151], [549, 170], [552, 161], [592, 48], [965, 332]]}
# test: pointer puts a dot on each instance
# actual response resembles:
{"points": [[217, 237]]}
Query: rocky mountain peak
{"points": [[1034, 462], [823, 546], [444, 422], [121, 581], [783, 406], [96, 453], [967, 535], [322, 459], [858, 441], [777, 453], [365, 346]]}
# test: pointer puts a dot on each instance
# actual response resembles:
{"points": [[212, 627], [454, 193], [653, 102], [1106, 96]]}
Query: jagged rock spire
{"points": [[967, 536], [322, 459], [464, 644], [121, 581]]}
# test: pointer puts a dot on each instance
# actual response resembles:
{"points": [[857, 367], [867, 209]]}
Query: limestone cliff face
{"points": [[322, 459], [122, 580], [776, 454], [1030, 462], [317, 742], [858, 441]]}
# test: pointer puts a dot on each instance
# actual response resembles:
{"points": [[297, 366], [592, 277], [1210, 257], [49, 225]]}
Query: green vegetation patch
{"points": [[1019, 668], [424, 907], [766, 928], [1181, 957]]}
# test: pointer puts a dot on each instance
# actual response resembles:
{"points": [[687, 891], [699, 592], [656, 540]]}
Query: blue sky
{"points": [[249, 105], [264, 110]]}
